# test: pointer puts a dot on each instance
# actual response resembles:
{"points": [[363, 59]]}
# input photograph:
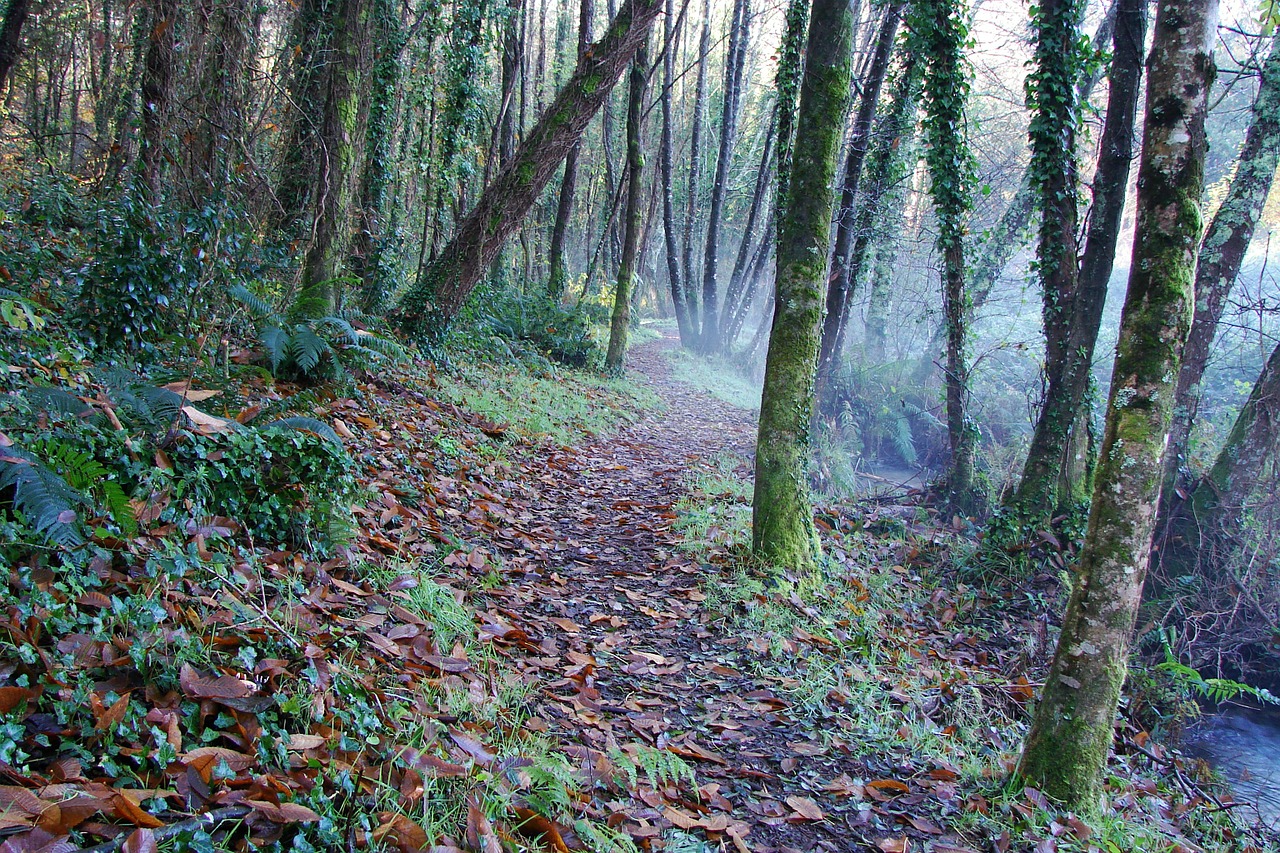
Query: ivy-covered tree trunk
{"points": [[220, 97], [157, 91], [938, 35], [845, 277], [782, 513], [341, 131], [368, 260], [791, 59], [666, 156], [1223, 250], [1074, 297], [620, 323], [735, 59], [1065, 754], [435, 300], [558, 273]]}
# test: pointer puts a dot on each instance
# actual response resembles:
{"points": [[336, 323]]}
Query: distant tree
{"points": [[1066, 751], [11, 35], [782, 512], [558, 273], [621, 319], [1074, 290], [937, 37], [434, 301], [1223, 251], [157, 91]]}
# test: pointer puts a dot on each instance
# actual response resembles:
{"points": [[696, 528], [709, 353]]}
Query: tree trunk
{"points": [[367, 261], [737, 293], [783, 532], [845, 277], [620, 323], [791, 59], [692, 301], [938, 37], [157, 92], [666, 156], [310, 42], [734, 60], [1066, 750], [1222, 252], [432, 303], [1074, 296], [558, 274], [1220, 501], [335, 179], [11, 35]]}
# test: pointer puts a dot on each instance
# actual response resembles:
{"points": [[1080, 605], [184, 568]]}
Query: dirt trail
{"points": [[615, 598]]}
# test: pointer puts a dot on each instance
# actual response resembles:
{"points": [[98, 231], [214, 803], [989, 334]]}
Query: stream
{"points": [[1244, 746]]}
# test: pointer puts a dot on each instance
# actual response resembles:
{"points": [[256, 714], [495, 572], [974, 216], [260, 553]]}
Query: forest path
{"points": [[632, 656]]}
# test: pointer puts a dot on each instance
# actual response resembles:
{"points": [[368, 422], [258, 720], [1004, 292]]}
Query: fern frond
{"points": [[305, 424], [276, 340], [86, 475], [259, 308], [47, 502], [660, 766], [344, 329], [56, 401], [306, 348], [385, 347]]}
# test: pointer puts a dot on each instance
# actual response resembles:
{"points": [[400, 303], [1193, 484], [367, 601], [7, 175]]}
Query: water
{"points": [[1244, 746]]}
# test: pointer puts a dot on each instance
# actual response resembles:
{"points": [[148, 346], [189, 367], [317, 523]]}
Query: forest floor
{"points": [[544, 631]]}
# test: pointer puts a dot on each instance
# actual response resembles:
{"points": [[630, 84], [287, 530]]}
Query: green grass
{"points": [[562, 406], [716, 376]]}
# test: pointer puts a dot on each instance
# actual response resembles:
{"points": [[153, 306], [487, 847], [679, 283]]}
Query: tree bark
{"points": [[157, 92], [1066, 750], [692, 300], [1223, 251], [710, 337], [558, 273], [341, 129], [435, 301], [1074, 297], [791, 61], [938, 37], [11, 35], [845, 278], [783, 532], [620, 322], [666, 156]]}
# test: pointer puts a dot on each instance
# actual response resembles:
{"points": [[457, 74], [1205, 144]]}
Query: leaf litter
{"points": [[521, 648]]}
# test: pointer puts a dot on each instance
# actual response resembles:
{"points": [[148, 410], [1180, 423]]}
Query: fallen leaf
{"points": [[806, 808]]}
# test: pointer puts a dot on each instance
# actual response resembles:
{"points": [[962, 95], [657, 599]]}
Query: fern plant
{"points": [[660, 766], [323, 348], [1216, 690], [54, 481]]}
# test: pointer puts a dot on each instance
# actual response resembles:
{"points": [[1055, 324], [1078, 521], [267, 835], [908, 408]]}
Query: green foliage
{"points": [[317, 349], [660, 766], [286, 482], [937, 32], [1214, 689], [535, 325]]}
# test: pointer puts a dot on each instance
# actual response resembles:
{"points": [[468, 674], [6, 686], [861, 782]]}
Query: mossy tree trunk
{"points": [[310, 41], [558, 274], [1223, 251], [666, 157], [782, 513], [1074, 297], [620, 322], [938, 36], [1065, 754], [845, 276], [691, 293], [451, 276], [341, 132], [791, 58], [735, 59]]}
